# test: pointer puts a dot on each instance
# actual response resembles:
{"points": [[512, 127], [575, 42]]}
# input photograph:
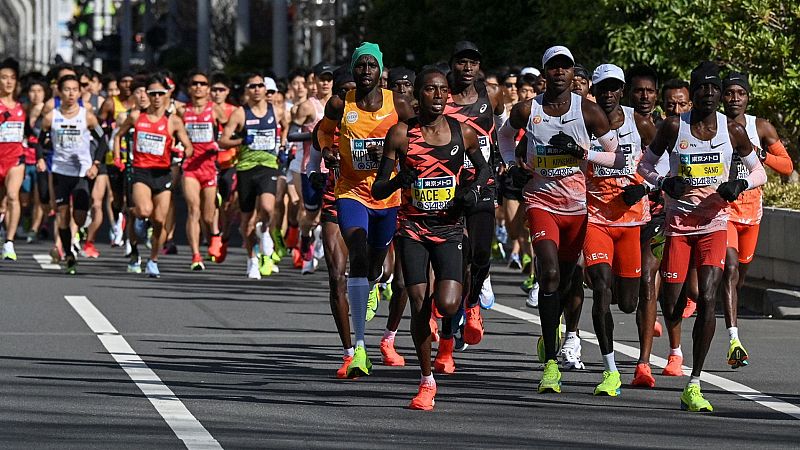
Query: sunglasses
{"points": [[256, 85], [157, 93], [509, 85], [84, 85], [199, 83], [219, 89]]}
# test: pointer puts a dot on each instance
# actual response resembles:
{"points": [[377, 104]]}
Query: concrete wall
{"points": [[778, 253]]}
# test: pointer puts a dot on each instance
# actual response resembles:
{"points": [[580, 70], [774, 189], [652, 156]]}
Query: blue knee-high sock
{"points": [[358, 293]]}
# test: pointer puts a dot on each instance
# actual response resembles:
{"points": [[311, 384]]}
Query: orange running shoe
{"points": [[435, 312], [434, 328], [89, 250], [389, 354], [215, 247], [292, 237], [297, 258], [657, 330], [673, 368], [643, 376], [341, 373], [473, 329], [444, 362], [690, 308], [425, 397], [223, 252]]}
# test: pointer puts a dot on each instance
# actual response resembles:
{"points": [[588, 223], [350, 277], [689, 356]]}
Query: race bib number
{"points": [[200, 132], [11, 131], [551, 162], [701, 169], [68, 138], [263, 140], [151, 144], [627, 170], [486, 150], [433, 194], [741, 171], [361, 158]]}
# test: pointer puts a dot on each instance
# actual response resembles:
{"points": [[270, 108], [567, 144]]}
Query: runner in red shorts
{"points": [[12, 159]]}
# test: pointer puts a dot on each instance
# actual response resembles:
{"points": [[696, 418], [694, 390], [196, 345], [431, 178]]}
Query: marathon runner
{"points": [[701, 145], [430, 150], [12, 158], [226, 181], [643, 92], [745, 213]]}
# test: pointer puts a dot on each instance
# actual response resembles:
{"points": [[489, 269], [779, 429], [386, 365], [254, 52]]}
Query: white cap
{"points": [[606, 71], [555, 51], [531, 70], [270, 84]]}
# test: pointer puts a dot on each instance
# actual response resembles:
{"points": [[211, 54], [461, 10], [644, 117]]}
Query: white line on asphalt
{"points": [[633, 352], [185, 426], [46, 262]]}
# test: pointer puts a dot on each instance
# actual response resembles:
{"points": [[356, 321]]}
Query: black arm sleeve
{"points": [[296, 133], [384, 185], [482, 169], [44, 144], [102, 146]]}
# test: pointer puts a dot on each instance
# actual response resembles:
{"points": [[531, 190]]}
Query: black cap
{"points": [[322, 68], [341, 76], [737, 79], [466, 47], [581, 71], [705, 73], [401, 73]]}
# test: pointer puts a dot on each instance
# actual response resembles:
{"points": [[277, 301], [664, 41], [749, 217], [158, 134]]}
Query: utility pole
{"points": [[242, 24], [280, 29], [97, 33], [203, 35], [126, 35]]}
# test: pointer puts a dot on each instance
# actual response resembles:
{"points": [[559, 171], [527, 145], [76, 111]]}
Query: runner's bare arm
{"points": [[122, 130], [234, 124], [395, 146], [179, 131]]}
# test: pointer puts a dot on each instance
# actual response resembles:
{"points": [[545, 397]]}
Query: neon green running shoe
{"points": [[360, 365], [540, 342], [526, 261], [737, 355], [551, 378], [265, 265], [527, 285], [372, 302], [611, 384], [280, 246], [387, 292], [692, 400], [72, 265], [8, 251]]}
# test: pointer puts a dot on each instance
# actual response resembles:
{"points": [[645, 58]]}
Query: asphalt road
{"points": [[250, 364]]}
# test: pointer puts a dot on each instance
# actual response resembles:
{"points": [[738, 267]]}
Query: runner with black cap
{"points": [[581, 82], [746, 211], [401, 81], [701, 145]]}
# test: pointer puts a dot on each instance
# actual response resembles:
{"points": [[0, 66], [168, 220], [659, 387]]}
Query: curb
{"points": [[770, 299]]}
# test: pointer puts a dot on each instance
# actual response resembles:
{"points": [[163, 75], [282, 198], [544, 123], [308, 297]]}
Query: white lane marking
{"points": [[633, 352], [185, 426], [46, 262]]}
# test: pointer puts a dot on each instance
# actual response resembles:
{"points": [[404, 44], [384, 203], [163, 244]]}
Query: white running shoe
{"points": [[309, 266], [486, 296], [571, 354], [319, 249], [533, 296], [252, 269]]}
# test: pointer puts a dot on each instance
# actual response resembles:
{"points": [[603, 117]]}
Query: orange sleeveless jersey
{"points": [[358, 130]]}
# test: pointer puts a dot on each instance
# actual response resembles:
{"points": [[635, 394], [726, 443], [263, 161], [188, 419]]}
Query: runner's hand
{"points": [[407, 177], [317, 180], [119, 164], [675, 187], [375, 152], [730, 190], [331, 157], [631, 194], [519, 176], [567, 144]]}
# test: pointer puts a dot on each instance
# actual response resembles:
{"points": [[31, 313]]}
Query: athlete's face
{"points": [[433, 94], [580, 86], [219, 93], [706, 98], [311, 86], [676, 101], [125, 86], [385, 79], [349, 86], [112, 89], [324, 84], [86, 85], [298, 86], [559, 73], [465, 69], [256, 89], [366, 72], [96, 85], [69, 92], [643, 94], [541, 85], [734, 100], [36, 94], [608, 93], [8, 81], [526, 92], [158, 94], [198, 87], [510, 90], [403, 87]]}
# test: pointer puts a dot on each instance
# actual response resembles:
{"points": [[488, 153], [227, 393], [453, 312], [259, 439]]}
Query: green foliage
{"points": [[781, 195]]}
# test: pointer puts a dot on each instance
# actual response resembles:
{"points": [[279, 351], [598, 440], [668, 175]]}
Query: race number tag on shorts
{"points": [[152, 144], [702, 169], [486, 149], [433, 194], [627, 170], [549, 161], [11, 131], [68, 138], [200, 132], [263, 140], [361, 158]]}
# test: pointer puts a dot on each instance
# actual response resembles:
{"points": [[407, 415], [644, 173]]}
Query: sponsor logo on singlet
{"points": [[701, 169], [352, 117], [433, 193]]}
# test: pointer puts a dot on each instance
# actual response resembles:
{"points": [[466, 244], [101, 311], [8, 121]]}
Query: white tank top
{"points": [[704, 165], [558, 184], [72, 151], [747, 209]]}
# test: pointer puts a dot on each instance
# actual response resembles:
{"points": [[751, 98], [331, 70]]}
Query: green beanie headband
{"points": [[367, 48]]}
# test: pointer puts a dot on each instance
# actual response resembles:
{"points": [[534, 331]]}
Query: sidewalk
{"points": [[771, 299]]}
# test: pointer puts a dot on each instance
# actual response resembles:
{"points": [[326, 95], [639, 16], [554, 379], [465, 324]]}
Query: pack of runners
{"points": [[408, 184]]}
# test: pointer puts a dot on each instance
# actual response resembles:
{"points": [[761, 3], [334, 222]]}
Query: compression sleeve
{"points": [[609, 157], [505, 140], [647, 167], [314, 161], [384, 185], [296, 133], [778, 158], [758, 175]]}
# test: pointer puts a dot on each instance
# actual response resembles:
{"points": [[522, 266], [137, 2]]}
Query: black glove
{"points": [[407, 177], [567, 144], [730, 190], [519, 176], [317, 180], [631, 194], [675, 187]]}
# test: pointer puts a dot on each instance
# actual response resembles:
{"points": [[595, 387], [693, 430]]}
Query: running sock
{"points": [[388, 335], [427, 380], [349, 351], [608, 362], [676, 351], [572, 334], [733, 333], [267, 246], [358, 292], [694, 380], [66, 240]]}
